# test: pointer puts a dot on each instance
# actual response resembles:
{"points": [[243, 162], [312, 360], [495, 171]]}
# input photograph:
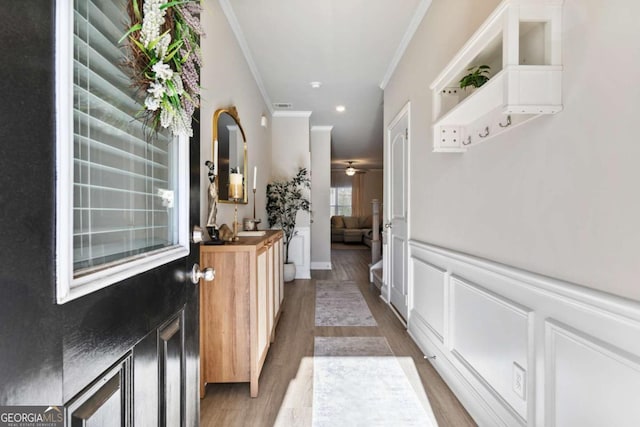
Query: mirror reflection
{"points": [[232, 151]]}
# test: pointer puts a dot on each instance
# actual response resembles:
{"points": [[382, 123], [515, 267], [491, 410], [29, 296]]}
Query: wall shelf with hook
{"points": [[521, 41]]}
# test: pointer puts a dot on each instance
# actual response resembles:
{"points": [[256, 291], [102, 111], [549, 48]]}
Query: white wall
{"points": [[556, 196], [578, 349], [290, 151], [290, 148], [320, 201], [226, 80]]}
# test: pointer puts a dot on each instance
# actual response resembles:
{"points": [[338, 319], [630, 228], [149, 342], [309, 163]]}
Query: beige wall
{"points": [[290, 149], [373, 188], [320, 203], [557, 196], [227, 80]]}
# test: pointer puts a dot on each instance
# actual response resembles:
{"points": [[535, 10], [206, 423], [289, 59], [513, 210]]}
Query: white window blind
{"points": [[124, 177]]}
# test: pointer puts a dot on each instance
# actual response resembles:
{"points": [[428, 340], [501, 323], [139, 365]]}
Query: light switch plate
{"points": [[519, 384]]}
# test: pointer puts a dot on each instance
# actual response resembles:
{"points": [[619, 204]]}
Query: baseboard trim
{"points": [[479, 410], [320, 265]]}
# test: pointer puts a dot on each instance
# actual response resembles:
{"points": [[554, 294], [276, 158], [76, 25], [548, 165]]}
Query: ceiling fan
{"points": [[350, 170]]}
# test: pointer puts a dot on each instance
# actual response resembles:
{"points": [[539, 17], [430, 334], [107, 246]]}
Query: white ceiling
{"points": [[351, 46]]}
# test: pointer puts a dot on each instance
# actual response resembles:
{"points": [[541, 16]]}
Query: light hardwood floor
{"points": [[286, 380]]}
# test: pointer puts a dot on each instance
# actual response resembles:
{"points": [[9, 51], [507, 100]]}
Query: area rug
{"points": [[358, 382], [341, 304], [339, 246]]}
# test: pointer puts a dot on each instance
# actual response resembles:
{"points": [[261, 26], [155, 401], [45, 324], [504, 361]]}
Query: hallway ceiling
{"points": [[350, 46]]}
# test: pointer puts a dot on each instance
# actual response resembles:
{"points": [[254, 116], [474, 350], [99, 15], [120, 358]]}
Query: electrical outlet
{"points": [[519, 380]]}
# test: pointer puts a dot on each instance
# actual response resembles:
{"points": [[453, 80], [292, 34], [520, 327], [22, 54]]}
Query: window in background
{"points": [[340, 201]]}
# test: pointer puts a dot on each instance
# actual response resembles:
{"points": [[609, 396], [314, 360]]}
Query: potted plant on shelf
{"points": [[284, 200], [478, 76]]}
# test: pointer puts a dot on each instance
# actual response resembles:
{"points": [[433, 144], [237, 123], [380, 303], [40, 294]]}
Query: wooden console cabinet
{"points": [[239, 310]]}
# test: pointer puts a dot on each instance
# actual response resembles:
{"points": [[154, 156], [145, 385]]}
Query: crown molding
{"points": [[244, 47], [281, 113], [421, 11], [321, 128]]}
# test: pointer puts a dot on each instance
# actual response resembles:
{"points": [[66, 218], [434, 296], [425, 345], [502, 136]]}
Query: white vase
{"points": [[289, 272]]}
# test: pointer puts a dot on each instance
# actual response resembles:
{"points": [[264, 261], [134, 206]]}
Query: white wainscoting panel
{"points": [[481, 322], [300, 252], [579, 349], [428, 297], [589, 381]]}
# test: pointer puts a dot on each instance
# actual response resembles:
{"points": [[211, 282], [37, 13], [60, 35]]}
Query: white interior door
{"points": [[398, 211]]}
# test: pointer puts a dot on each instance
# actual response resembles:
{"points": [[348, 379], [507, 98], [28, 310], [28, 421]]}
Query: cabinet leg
{"points": [[254, 387], [203, 389]]}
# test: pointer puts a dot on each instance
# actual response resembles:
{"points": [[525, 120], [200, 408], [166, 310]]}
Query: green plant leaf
{"points": [[154, 42], [174, 3], [140, 46], [136, 27], [136, 10]]}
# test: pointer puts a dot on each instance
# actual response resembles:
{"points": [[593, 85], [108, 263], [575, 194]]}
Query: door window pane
{"points": [[124, 177]]}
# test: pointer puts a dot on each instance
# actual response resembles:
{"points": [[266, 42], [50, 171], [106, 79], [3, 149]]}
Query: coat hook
{"points": [[486, 133], [467, 141], [508, 122]]}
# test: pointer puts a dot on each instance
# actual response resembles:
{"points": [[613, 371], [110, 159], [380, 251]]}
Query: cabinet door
{"points": [[281, 266], [270, 288], [262, 310], [276, 277]]}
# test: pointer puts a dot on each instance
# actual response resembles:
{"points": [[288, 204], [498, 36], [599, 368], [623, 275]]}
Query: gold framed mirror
{"points": [[231, 144]]}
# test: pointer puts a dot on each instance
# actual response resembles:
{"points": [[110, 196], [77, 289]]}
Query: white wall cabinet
{"points": [[521, 42]]}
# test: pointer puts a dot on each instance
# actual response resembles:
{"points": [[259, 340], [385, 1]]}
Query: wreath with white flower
{"points": [[164, 61]]}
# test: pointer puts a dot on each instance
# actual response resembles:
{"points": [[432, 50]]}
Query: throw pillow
{"points": [[366, 221], [337, 221], [351, 222]]}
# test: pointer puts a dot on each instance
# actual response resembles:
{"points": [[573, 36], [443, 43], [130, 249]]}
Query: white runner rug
{"points": [[358, 382], [341, 304]]}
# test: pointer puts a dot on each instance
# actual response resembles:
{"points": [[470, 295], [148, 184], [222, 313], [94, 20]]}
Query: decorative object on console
{"points": [[164, 61], [212, 196], [225, 233], [284, 200], [236, 193], [478, 76], [251, 224]]}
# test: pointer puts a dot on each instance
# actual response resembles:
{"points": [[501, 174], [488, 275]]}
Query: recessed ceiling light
{"points": [[315, 85], [340, 108]]}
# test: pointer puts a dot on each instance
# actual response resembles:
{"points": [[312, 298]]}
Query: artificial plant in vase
{"points": [[477, 77], [284, 200]]}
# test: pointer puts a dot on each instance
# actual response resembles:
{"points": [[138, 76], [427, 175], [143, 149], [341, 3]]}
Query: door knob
{"points": [[208, 274], [387, 225], [196, 234]]}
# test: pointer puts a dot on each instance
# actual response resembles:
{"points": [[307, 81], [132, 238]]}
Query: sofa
{"points": [[352, 229]]}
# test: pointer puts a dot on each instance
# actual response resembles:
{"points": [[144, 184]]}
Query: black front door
{"points": [[124, 355], [130, 352]]}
